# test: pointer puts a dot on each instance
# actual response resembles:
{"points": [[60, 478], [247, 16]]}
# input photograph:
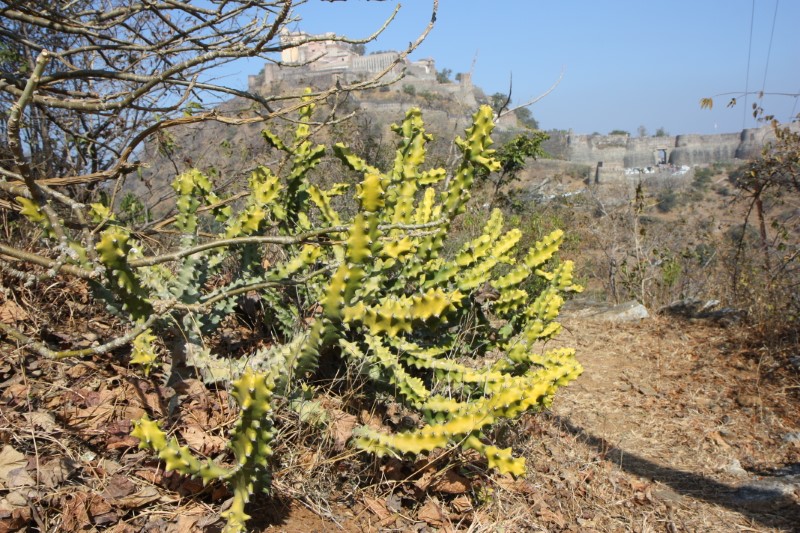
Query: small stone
{"points": [[626, 312], [791, 438], [764, 495], [735, 468], [89, 455]]}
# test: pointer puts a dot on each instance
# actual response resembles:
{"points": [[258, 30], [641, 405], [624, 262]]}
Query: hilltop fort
{"points": [[321, 60]]}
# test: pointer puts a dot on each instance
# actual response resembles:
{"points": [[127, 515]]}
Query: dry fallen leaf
{"points": [[372, 420], [431, 513], [95, 415], [517, 486], [119, 487], [341, 428], [424, 481], [142, 497], [462, 504], [122, 492], [146, 395], [14, 393], [122, 527], [188, 524], [377, 507], [394, 502], [20, 497], [198, 440], [13, 518], [80, 369], [53, 473], [19, 477], [11, 312], [81, 510], [552, 517], [452, 483], [42, 419], [10, 459]]}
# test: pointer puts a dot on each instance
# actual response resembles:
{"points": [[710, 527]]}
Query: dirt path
{"points": [[692, 429]]}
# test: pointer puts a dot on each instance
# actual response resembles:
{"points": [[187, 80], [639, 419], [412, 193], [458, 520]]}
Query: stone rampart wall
{"points": [[394, 111], [623, 151], [703, 149], [590, 149]]}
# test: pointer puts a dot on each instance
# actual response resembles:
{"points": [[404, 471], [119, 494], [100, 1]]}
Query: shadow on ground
{"points": [[762, 502]]}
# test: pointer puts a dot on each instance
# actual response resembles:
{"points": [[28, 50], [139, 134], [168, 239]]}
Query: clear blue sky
{"points": [[626, 63]]}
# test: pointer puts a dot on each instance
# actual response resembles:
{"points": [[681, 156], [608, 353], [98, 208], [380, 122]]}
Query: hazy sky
{"points": [[626, 63]]}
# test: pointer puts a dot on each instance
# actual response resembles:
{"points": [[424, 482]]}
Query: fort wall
{"points": [[614, 153]]}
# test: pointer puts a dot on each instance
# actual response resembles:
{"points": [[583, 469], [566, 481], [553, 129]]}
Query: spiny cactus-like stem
{"points": [[391, 304]]}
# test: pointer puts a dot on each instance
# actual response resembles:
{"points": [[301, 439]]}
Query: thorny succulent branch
{"points": [[369, 287], [372, 287], [283, 240]]}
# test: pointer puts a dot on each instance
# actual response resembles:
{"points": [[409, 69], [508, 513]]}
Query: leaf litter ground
{"points": [[674, 426]]}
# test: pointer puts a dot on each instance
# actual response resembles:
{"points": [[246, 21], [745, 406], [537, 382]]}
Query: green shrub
{"points": [[702, 178], [667, 199], [131, 209]]}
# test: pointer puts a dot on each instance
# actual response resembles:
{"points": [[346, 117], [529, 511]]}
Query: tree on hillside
{"points": [[525, 116], [513, 157], [499, 102], [770, 187], [443, 76], [768, 183]]}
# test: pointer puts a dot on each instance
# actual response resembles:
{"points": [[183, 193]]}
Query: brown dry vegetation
{"points": [[668, 421]]}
